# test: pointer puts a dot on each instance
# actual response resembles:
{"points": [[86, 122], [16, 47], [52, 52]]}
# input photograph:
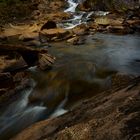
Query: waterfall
{"points": [[72, 6], [19, 115]]}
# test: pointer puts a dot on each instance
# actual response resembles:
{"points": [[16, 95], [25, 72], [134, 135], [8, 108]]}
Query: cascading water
{"points": [[72, 6], [80, 16], [76, 20], [19, 115]]}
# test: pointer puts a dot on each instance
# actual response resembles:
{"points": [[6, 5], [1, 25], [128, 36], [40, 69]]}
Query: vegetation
{"points": [[117, 5], [13, 9]]}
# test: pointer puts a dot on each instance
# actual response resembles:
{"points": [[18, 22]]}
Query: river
{"points": [[79, 72]]}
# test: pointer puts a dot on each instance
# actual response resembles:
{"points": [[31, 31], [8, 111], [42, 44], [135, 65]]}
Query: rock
{"points": [[119, 29], [134, 24], [49, 25], [114, 24], [6, 80], [109, 20], [10, 95], [55, 34], [93, 26], [28, 36], [45, 61], [102, 21], [77, 40], [34, 43], [80, 29], [18, 77], [31, 56], [26, 30], [113, 114]]}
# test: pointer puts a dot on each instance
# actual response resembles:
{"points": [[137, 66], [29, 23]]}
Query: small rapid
{"points": [[72, 6], [19, 115], [79, 17]]}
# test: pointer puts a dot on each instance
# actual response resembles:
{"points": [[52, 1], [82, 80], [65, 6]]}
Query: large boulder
{"points": [[55, 34]]}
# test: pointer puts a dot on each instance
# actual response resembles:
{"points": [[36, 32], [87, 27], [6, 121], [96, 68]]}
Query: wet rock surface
{"points": [[110, 115], [56, 34]]}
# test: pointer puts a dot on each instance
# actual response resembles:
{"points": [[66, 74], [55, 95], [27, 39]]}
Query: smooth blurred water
{"points": [[85, 70], [18, 115], [79, 72]]}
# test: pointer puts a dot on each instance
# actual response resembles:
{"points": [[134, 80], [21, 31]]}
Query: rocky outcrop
{"points": [[14, 59], [114, 23], [113, 114], [31, 56]]}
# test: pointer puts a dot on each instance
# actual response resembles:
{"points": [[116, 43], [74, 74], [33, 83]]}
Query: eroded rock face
{"points": [[110, 115]]}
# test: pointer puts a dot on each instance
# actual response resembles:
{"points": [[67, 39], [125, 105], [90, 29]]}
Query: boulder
{"points": [[119, 29], [31, 57], [134, 24], [28, 36], [102, 21], [49, 25], [77, 40], [80, 29], [56, 34]]}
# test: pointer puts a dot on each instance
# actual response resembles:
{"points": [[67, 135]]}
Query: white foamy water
{"points": [[59, 110], [72, 6], [19, 115], [79, 18]]}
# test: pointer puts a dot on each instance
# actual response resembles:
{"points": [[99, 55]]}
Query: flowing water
{"points": [[79, 72], [80, 16]]}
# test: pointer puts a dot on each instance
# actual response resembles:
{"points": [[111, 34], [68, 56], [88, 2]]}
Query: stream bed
{"points": [[80, 72]]}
